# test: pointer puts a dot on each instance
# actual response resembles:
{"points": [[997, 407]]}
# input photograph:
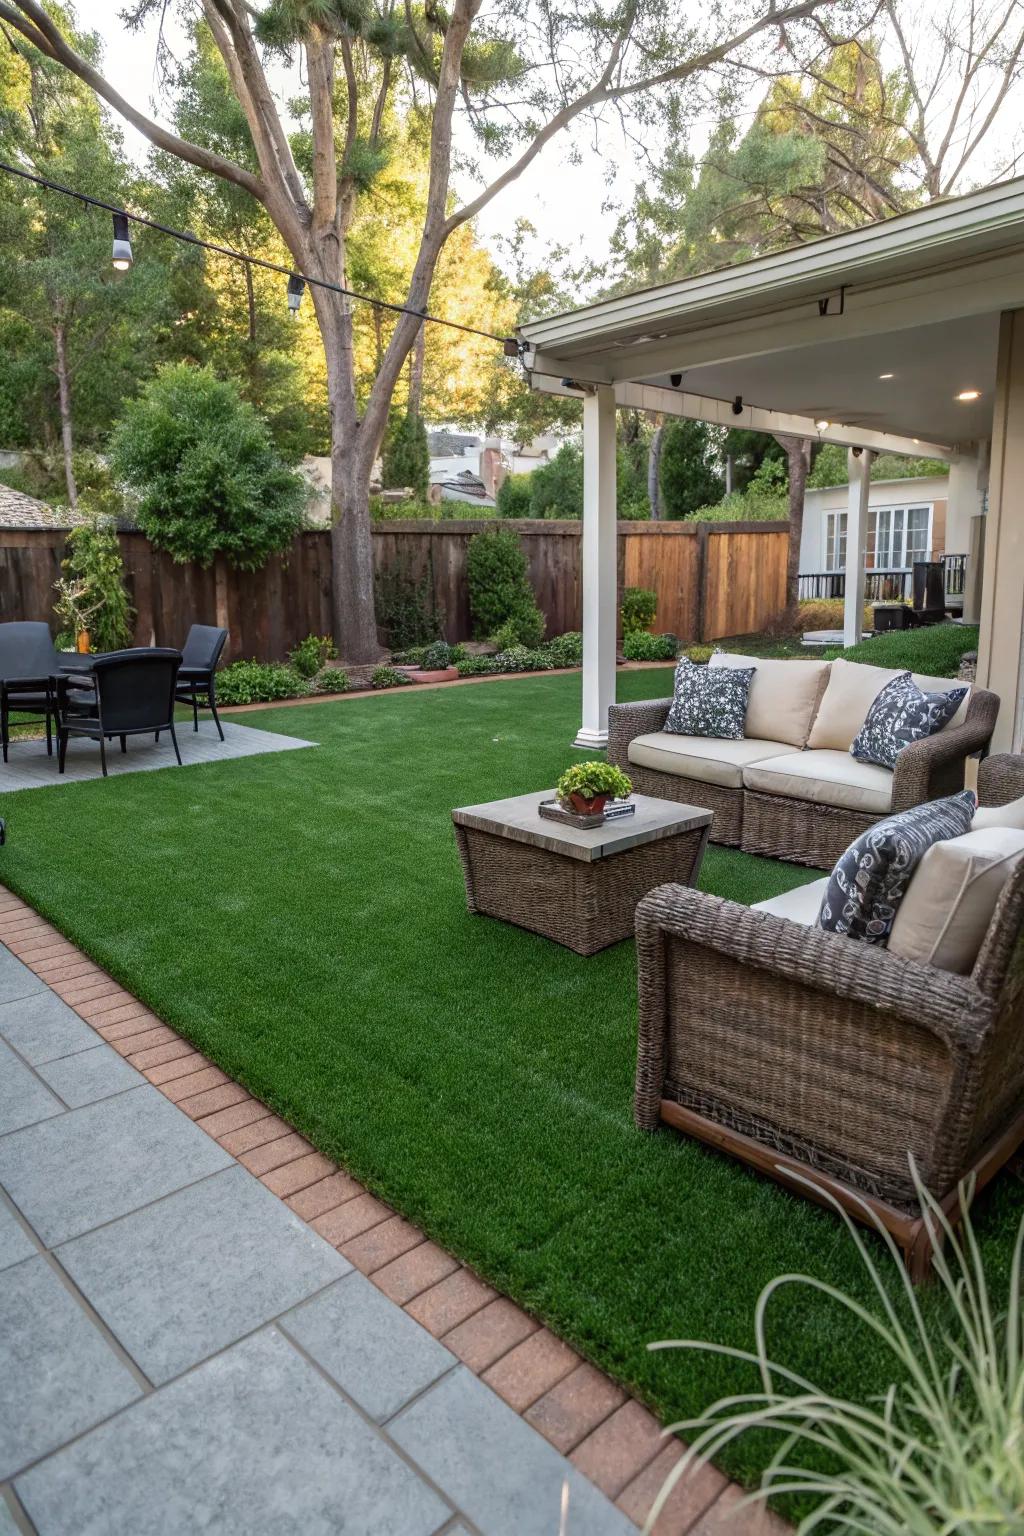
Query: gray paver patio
{"points": [[24, 1100], [29, 766], [189, 1355], [16, 980]]}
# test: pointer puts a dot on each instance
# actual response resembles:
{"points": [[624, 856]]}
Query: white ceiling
{"points": [[839, 381]]}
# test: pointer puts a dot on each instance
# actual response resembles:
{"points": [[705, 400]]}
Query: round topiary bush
{"points": [[500, 595]]}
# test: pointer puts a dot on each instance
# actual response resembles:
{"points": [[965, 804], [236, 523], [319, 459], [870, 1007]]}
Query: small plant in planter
{"points": [[586, 788]]}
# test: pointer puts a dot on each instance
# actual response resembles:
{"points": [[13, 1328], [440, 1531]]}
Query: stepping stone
{"points": [[24, 1100], [91, 1165], [58, 1375], [253, 1443], [375, 1352], [41, 1027], [494, 1467], [188, 1276], [87, 1076]]}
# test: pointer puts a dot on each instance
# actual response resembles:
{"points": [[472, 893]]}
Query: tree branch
{"points": [[28, 18]]}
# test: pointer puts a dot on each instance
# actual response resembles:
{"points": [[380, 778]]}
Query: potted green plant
{"points": [[586, 788]]}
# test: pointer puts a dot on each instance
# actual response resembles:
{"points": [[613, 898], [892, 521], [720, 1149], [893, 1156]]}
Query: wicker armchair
{"points": [[800, 831], [804, 1053]]}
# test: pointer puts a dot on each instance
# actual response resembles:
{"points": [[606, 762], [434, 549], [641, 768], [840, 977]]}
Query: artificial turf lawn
{"points": [[301, 918]]}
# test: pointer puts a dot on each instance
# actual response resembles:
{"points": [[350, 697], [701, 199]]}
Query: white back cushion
{"points": [[783, 696], [1011, 815], [852, 688], [950, 900]]}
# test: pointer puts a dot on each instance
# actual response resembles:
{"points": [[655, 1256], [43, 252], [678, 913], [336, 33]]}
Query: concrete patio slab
{"points": [[254, 1441], [30, 768], [7, 1525], [23, 1098], [499, 1471], [41, 1027], [97, 1073], [16, 980], [15, 1243], [91, 1165], [197, 1271], [377, 1354], [58, 1376]]}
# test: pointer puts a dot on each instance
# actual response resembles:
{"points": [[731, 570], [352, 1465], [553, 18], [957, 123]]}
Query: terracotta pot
{"points": [[442, 675], [82, 642], [584, 807]]}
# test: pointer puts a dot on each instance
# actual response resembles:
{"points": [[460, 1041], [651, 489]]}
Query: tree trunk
{"points": [[64, 395], [798, 455], [417, 358], [654, 470], [355, 624]]}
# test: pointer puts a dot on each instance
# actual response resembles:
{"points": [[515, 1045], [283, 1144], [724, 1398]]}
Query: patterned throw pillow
{"points": [[871, 878], [900, 714], [709, 701]]}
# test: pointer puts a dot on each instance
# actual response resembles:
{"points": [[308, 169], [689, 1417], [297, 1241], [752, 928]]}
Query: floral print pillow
{"points": [[900, 714], [871, 878], [709, 701]]}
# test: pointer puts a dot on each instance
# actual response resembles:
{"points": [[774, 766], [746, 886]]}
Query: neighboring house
{"points": [[20, 511]]}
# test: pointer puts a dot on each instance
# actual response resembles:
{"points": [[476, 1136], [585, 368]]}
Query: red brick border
{"points": [[611, 1438]]}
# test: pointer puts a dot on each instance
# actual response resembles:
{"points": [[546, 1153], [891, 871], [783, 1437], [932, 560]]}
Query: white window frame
{"points": [[834, 535]]}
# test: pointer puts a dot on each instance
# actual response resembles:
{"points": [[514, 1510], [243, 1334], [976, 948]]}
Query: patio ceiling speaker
{"points": [[675, 379], [122, 257], [296, 288]]}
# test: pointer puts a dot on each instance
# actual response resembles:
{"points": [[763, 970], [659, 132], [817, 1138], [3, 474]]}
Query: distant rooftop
{"points": [[20, 511]]}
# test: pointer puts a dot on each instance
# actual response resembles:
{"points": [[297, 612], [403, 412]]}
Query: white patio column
{"points": [[1000, 665], [858, 469], [600, 566]]}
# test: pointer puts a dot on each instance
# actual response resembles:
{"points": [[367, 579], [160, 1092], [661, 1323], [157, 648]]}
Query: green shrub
{"points": [[689, 478], [206, 475], [826, 613], [595, 778], [634, 511], [499, 590], [565, 650], [639, 605], [750, 506], [506, 635], [478, 666], [407, 611], [401, 511], [310, 654], [436, 657], [936, 650], [701, 654], [257, 682], [518, 658], [556, 488], [638, 645], [329, 680], [389, 677], [513, 498], [91, 595], [405, 457]]}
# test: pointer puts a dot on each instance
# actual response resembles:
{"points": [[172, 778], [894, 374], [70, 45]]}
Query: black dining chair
{"points": [[28, 662], [197, 682], [133, 694]]}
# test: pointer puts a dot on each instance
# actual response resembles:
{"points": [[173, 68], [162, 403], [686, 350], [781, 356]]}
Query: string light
{"points": [[122, 244], [123, 259], [296, 288]]}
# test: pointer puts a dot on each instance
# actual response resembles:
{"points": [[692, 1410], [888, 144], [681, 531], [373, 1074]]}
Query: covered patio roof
{"points": [[895, 337]]}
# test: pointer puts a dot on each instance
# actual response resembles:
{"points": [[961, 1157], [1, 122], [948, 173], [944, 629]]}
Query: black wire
{"points": [[252, 261]]}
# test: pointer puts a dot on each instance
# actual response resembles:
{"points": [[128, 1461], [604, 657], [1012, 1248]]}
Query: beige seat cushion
{"points": [[783, 696], [826, 778], [852, 688], [800, 905], [949, 903], [709, 759], [1011, 815]]}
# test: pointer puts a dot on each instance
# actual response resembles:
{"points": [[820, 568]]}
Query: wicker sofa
{"points": [[809, 1055], [790, 789]]}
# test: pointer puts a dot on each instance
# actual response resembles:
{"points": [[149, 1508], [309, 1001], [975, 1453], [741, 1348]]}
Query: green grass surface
{"points": [[301, 918], [935, 650]]}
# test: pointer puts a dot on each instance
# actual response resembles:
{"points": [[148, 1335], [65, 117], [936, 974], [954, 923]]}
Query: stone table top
{"points": [[519, 819]]}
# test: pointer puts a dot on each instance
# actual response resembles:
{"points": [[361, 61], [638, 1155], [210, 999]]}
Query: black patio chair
{"points": [[197, 683], [28, 662], [133, 695]]}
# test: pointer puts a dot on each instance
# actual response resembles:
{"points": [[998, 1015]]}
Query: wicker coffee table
{"points": [[577, 886]]}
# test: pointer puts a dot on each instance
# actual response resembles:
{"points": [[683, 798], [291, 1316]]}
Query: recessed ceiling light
{"points": [[886, 375], [969, 394]]}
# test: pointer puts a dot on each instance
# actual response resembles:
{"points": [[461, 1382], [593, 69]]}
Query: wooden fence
{"points": [[711, 579]]}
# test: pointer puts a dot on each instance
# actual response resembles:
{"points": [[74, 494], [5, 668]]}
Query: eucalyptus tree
{"points": [[507, 78]]}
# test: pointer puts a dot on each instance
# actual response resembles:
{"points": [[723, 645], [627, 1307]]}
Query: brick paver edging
{"points": [[611, 1438]]}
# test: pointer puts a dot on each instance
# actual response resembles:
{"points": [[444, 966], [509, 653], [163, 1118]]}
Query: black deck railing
{"points": [[881, 586]]}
